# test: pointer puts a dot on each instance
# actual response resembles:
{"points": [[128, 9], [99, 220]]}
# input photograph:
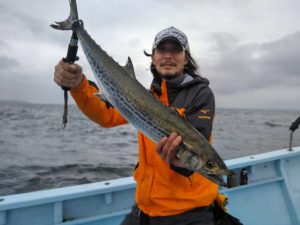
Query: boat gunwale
{"points": [[51, 196]]}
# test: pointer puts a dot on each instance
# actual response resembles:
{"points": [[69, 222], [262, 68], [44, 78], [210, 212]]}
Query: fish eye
{"points": [[210, 164]]}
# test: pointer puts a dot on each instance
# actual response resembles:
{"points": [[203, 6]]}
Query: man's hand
{"points": [[167, 147], [68, 75]]}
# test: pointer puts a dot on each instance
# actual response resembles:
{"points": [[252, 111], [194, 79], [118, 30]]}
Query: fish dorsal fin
{"points": [[129, 68]]}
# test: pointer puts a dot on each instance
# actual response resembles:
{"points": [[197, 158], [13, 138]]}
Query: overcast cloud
{"points": [[249, 50]]}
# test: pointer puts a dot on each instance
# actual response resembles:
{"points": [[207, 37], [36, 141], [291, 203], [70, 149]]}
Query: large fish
{"points": [[141, 109]]}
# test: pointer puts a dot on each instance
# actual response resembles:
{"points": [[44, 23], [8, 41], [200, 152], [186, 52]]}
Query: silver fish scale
{"points": [[139, 118], [133, 114]]}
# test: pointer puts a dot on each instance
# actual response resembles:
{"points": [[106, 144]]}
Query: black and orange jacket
{"points": [[162, 190]]}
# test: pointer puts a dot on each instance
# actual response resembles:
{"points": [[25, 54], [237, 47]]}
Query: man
{"points": [[166, 192]]}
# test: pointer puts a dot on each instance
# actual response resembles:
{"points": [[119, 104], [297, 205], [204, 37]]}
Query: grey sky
{"points": [[249, 50]]}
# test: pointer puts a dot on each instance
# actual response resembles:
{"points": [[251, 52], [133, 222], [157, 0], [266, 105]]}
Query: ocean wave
{"points": [[36, 177], [273, 124]]}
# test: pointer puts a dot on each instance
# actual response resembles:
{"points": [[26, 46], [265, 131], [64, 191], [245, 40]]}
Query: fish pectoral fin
{"points": [[129, 68], [101, 96], [180, 111]]}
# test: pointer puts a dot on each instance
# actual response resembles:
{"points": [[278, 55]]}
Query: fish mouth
{"points": [[218, 179]]}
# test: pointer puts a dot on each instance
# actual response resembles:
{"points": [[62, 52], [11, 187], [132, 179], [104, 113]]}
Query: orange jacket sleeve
{"points": [[94, 108]]}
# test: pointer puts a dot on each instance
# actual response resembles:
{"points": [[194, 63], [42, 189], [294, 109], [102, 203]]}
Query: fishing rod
{"points": [[70, 58], [294, 126]]}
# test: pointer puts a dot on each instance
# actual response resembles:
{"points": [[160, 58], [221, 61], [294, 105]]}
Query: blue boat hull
{"points": [[272, 196]]}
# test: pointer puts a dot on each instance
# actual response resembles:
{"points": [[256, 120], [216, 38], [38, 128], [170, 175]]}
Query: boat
{"points": [[267, 191]]}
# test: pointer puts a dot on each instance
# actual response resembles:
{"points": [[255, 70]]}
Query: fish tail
{"points": [[68, 24]]}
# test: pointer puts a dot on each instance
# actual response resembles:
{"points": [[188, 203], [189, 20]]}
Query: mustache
{"points": [[168, 63]]}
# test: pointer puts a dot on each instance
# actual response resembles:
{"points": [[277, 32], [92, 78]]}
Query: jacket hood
{"points": [[179, 82]]}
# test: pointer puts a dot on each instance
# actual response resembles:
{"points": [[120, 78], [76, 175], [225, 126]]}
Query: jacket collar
{"points": [[178, 82]]}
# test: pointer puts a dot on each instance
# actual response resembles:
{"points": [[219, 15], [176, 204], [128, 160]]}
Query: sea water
{"points": [[36, 153]]}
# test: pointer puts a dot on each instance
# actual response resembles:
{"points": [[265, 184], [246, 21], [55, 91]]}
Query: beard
{"points": [[169, 76]]}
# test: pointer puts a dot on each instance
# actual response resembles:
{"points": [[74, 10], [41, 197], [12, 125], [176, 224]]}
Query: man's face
{"points": [[169, 59]]}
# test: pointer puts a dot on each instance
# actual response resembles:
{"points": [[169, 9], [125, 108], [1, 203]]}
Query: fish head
{"points": [[206, 161], [215, 170]]}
